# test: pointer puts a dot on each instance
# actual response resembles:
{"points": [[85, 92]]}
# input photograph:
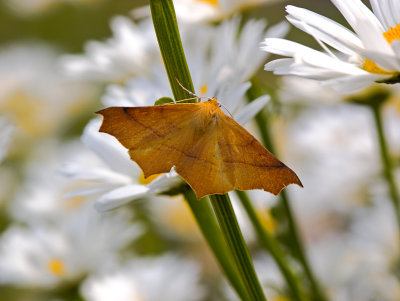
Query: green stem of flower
{"points": [[386, 161], [263, 126], [230, 228], [209, 227], [272, 246], [169, 41]]}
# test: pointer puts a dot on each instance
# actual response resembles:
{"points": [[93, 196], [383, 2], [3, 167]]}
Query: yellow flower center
{"points": [[392, 34], [203, 89], [56, 267], [25, 111], [212, 2], [148, 180], [371, 67]]}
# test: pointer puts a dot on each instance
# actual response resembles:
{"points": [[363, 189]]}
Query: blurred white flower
{"points": [[336, 158], [216, 52], [33, 8], [133, 49], [219, 66], [48, 254], [305, 92], [391, 119], [40, 196], [358, 263], [54, 239], [35, 97], [108, 175], [168, 277], [127, 53], [174, 219], [6, 130], [368, 55], [213, 10]]}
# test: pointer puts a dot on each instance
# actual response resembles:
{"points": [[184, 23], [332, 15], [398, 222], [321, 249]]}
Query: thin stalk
{"points": [[272, 246], [209, 227], [234, 238], [169, 41], [386, 161]]}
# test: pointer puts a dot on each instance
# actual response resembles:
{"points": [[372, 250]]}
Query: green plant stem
{"points": [[168, 37], [209, 227], [169, 41], [230, 228], [272, 246], [386, 162], [263, 126]]}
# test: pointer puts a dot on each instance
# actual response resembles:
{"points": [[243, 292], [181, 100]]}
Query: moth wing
{"points": [[156, 136], [226, 157], [249, 164]]}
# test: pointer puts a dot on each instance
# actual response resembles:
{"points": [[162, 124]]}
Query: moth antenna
{"points": [[190, 92], [180, 100], [226, 109]]}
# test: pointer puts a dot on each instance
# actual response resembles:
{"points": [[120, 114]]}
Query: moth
{"points": [[209, 150]]}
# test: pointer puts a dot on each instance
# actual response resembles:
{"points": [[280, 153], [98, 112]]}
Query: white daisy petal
{"points": [[396, 46], [387, 11], [93, 174], [165, 182], [286, 47], [107, 148], [326, 30], [252, 109], [349, 84], [120, 196], [87, 191]]}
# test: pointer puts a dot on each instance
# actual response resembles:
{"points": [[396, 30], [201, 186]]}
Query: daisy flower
{"points": [[360, 263], [133, 47], [351, 60], [33, 87], [52, 240], [35, 8], [126, 54], [108, 176], [322, 141], [168, 277], [49, 254], [213, 10], [198, 11]]}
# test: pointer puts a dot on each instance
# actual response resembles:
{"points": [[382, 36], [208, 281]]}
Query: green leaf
{"points": [[163, 100]]}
